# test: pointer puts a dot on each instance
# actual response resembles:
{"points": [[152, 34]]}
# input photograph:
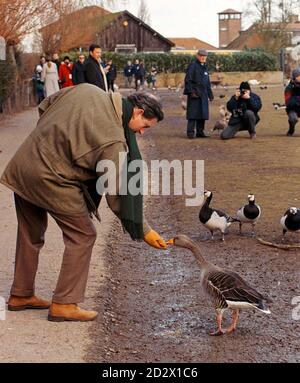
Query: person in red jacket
{"points": [[65, 73]]}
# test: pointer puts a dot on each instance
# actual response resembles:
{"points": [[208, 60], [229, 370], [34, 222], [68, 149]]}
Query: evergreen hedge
{"points": [[246, 61]]}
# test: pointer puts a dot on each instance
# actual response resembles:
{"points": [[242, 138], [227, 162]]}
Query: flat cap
{"points": [[202, 52]]}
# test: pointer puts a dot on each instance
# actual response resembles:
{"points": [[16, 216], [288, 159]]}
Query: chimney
{"points": [[230, 25]]}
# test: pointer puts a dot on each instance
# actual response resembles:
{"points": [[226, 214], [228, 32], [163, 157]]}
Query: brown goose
{"points": [[226, 288]]}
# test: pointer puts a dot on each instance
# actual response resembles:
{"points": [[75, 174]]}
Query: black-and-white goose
{"points": [[226, 289], [291, 220], [249, 213], [214, 219]]}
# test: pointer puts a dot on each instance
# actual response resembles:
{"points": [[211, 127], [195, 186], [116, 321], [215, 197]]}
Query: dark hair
{"points": [[149, 103], [66, 58], [93, 47], [245, 85]]}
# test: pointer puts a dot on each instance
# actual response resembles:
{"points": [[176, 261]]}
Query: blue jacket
{"points": [[128, 70], [238, 106], [198, 89]]}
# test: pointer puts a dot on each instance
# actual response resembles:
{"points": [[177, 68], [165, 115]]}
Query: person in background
{"points": [[111, 74], [65, 73], [94, 72], [244, 107], [198, 91], [78, 70], [55, 59], [139, 75], [50, 77], [128, 74], [153, 75], [38, 83], [292, 101]]}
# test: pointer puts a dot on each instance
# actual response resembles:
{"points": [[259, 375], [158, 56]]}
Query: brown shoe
{"points": [[70, 312], [27, 303]]}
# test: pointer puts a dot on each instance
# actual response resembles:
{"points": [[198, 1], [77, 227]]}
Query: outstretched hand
{"points": [[152, 238]]}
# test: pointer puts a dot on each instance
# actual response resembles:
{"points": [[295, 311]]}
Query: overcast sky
{"points": [[186, 18]]}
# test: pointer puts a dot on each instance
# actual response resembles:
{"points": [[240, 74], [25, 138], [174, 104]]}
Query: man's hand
{"points": [[155, 240], [194, 95], [246, 95]]}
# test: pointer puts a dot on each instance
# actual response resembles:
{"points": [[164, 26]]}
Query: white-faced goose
{"points": [[290, 221], [214, 219], [249, 213], [226, 289]]}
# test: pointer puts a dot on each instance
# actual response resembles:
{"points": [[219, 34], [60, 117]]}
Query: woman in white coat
{"points": [[50, 78]]}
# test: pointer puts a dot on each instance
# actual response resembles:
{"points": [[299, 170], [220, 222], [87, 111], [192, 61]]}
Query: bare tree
{"points": [[143, 12], [271, 21], [19, 18]]}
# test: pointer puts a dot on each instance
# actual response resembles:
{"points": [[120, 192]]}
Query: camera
{"points": [[237, 112]]}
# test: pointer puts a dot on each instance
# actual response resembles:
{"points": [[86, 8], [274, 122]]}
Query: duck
{"points": [[290, 221], [249, 213], [225, 288], [214, 219]]}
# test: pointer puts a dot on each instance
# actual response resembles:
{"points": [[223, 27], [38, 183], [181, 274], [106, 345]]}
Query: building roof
{"points": [[229, 10], [191, 43], [168, 41], [83, 25], [251, 38]]}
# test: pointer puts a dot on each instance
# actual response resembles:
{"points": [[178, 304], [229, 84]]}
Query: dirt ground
{"points": [[150, 302], [153, 309]]}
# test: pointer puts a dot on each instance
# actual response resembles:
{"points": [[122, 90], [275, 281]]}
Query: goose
{"points": [[249, 213], [214, 219], [290, 221], [225, 288]]}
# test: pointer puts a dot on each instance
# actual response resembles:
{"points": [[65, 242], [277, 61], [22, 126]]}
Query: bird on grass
{"points": [[214, 219], [249, 213], [223, 120], [183, 103], [225, 288], [290, 221], [277, 105]]}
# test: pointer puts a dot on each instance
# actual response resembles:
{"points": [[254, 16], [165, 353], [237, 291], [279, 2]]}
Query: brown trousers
{"points": [[79, 235]]}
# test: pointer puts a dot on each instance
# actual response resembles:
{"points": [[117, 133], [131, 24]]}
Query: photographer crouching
{"points": [[244, 107]]}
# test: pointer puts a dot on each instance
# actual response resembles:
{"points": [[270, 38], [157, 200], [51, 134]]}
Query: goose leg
{"points": [[219, 322], [253, 230], [223, 237], [283, 235], [235, 317], [212, 235], [240, 224]]}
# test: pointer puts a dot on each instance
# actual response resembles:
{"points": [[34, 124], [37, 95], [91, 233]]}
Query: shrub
{"points": [[248, 60]]}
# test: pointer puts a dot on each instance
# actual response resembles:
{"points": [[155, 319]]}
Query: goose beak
{"points": [[170, 241]]}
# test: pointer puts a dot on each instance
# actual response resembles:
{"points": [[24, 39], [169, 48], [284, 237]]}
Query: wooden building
{"points": [[112, 31]]}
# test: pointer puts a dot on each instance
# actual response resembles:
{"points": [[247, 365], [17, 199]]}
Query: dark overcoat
{"points": [[198, 89], [93, 74]]}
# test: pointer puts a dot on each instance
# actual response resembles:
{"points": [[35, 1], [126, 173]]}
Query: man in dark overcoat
{"points": [[198, 91], [94, 72]]}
